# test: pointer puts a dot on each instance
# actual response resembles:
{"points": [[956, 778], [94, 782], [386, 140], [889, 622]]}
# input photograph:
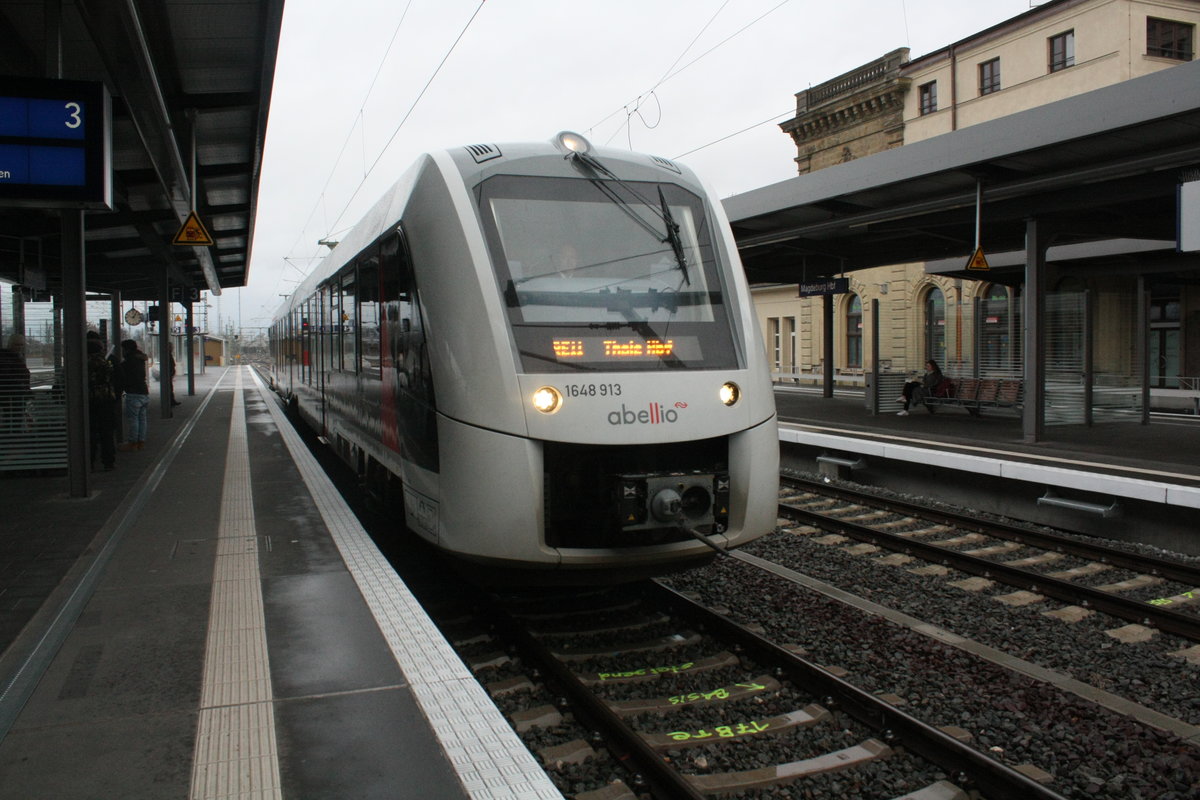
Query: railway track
{"points": [[653, 728], [1146, 591], [701, 706]]}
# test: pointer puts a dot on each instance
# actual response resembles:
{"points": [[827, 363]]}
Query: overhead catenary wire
{"points": [[788, 113], [359, 121], [671, 74], [408, 113]]}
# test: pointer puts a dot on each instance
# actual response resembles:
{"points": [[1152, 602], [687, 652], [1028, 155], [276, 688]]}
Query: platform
{"points": [[1166, 450], [1117, 480], [213, 622]]}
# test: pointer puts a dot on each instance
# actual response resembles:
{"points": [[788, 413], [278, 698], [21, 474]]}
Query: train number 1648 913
{"points": [[592, 390]]}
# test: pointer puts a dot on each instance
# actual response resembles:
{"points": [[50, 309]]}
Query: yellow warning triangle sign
{"points": [[978, 260], [193, 233]]}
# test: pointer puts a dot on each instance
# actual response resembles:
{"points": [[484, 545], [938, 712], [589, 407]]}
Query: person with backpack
{"points": [[101, 402]]}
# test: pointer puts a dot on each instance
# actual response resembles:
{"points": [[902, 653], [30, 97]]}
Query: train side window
{"points": [[348, 323], [405, 333], [368, 313], [395, 270], [330, 355], [306, 338]]}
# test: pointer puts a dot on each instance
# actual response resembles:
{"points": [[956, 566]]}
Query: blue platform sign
{"points": [[55, 144]]}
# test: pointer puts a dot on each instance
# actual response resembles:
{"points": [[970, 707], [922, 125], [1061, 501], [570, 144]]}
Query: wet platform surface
{"points": [[1167, 449], [212, 622]]}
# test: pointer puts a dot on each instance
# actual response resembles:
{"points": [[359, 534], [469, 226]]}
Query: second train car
{"points": [[550, 351]]}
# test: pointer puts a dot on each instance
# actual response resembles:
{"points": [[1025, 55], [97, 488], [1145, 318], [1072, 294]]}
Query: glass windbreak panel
{"points": [[592, 279]]}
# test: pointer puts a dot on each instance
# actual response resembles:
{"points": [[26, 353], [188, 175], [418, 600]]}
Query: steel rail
{"points": [[965, 763], [661, 778], [1182, 625], [1161, 567]]}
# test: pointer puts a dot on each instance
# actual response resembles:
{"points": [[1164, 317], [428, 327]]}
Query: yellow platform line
{"points": [[236, 754]]}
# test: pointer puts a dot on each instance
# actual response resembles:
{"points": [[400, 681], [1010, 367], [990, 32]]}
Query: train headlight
{"points": [[573, 142], [547, 399], [730, 393]]}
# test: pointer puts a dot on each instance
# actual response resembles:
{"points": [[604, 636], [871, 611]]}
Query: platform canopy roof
{"points": [[1099, 166], [179, 71]]}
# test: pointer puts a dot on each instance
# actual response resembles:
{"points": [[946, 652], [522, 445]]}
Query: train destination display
{"points": [[609, 348]]}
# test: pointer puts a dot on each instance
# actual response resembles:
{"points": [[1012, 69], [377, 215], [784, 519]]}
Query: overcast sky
{"points": [[359, 94]]}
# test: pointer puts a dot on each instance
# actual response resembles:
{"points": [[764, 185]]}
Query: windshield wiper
{"points": [[664, 212], [673, 236]]}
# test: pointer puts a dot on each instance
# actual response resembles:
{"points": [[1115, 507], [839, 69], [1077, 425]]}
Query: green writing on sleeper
{"points": [[637, 673], [1166, 601], [721, 732], [715, 694]]}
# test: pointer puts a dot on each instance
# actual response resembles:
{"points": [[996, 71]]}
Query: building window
{"points": [[928, 95], [935, 326], [1062, 51], [854, 357], [1168, 39], [789, 345], [989, 76], [775, 337]]}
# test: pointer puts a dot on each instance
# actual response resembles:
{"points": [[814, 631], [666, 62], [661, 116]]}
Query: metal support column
{"points": [[74, 333], [164, 346], [1034, 415], [1089, 356], [873, 399], [1142, 342], [827, 382], [189, 321], [977, 336], [114, 313]]}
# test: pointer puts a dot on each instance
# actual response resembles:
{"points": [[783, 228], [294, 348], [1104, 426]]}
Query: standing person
{"points": [[137, 395], [915, 391], [118, 414], [14, 384], [171, 377], [100, 404]]}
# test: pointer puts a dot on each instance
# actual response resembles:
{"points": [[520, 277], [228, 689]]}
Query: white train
{"points": [[550, 350]]}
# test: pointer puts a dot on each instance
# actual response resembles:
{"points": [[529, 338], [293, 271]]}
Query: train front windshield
{"points": [[607, 275]]}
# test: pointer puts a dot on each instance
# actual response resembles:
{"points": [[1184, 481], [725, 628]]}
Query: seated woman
{"points": [[915, 391]]}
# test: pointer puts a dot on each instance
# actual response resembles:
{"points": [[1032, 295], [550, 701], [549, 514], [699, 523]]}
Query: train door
{"points": [[306, 343], [410, 422], [330, 354]]}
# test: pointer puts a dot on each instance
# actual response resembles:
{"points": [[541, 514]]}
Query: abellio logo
{"points": [[654, 414]]}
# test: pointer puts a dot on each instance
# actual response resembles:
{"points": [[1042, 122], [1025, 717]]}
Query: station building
{"points": [[970, 320]]}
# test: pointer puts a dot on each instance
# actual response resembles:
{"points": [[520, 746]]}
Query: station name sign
{"points": [[830, 286], [55, 144]]}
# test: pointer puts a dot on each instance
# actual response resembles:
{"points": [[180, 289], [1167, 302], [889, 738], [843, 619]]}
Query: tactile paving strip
{"points": [[491, 760], [236, 754]]}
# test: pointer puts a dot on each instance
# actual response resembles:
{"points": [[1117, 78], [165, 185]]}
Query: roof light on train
{"points": [[730, 393], [547, 399], [573, 142]]}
